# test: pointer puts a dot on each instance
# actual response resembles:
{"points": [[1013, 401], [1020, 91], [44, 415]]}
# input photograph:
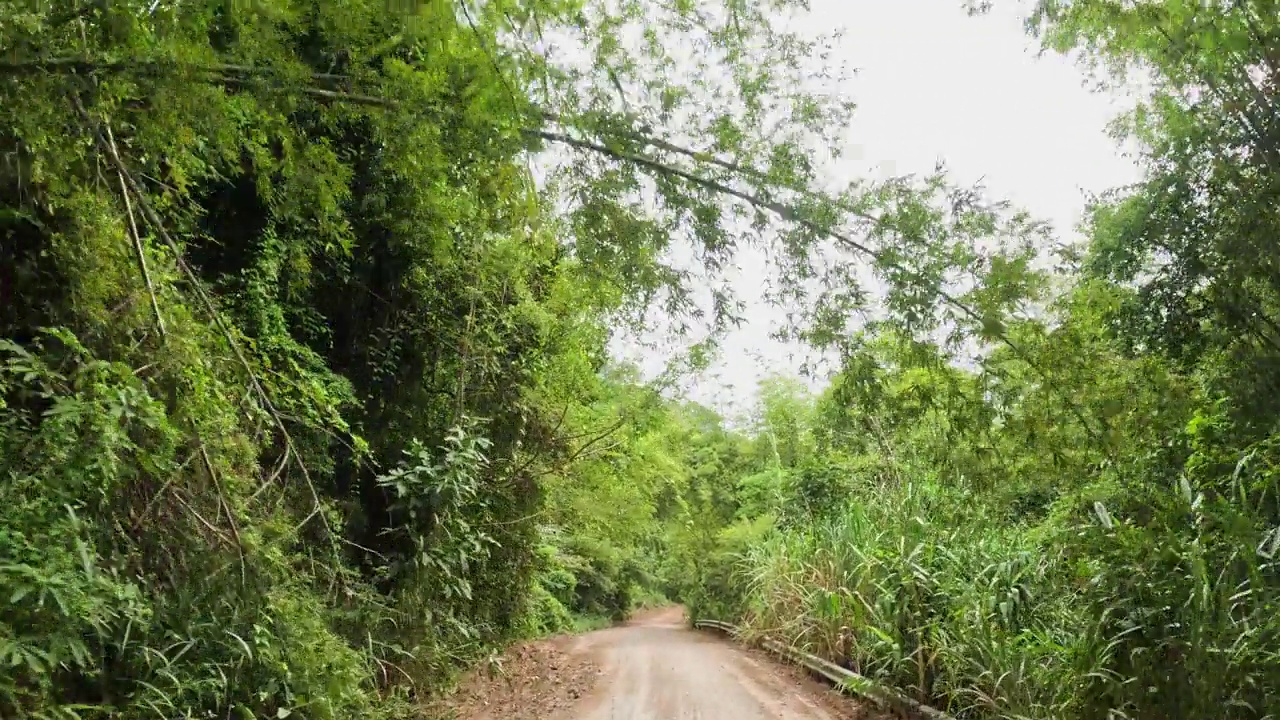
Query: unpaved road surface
{"points": [[654, 668]]}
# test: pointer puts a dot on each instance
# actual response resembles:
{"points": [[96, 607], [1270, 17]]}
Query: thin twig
{"points": [[516, 521], [493, 59], [533, 457], [363, 548], [600, 451], [284, 461], [226, 508], [155, 499], [203, 295], [578, 453], [353, 98], [702, 156], [212, 528], [138, 249], [84, 66], [560, 423]]}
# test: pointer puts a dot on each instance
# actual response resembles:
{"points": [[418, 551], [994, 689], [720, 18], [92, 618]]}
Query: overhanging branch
{"points": [[236, 74]]}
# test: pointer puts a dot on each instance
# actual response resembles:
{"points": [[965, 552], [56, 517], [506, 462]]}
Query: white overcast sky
{"points": [[933, 83]]}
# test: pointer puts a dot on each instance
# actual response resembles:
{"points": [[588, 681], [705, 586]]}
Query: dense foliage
{"points": [[288, 329], [1083, 521], [305, 398]]}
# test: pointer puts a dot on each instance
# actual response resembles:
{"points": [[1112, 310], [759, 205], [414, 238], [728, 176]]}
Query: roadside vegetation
{"points": [[306, 401], [1082, 522]]}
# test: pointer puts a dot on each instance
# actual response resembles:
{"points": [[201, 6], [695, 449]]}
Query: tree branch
{"points": [[139, 251], [584, 447], [86, 66], [207, 302], [789, 214], [782, 211]]}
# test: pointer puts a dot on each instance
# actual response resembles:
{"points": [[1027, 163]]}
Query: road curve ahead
{"points": [[656, 668]]}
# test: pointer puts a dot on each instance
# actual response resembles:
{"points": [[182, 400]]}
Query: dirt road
{"points": [[655, 668]]}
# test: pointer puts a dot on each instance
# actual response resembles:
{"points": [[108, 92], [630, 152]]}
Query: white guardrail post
{"points": [[843, 678]]}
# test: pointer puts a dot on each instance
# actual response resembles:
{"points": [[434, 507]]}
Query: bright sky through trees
{"points": [[934, 84]]}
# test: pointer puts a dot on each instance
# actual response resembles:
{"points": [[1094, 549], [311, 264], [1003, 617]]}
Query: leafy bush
{"points": [[99, 622], [546, 614], [1096, 617], [710, 579]]}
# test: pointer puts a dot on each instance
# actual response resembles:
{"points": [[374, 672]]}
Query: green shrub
{"points": [[546, 614]]}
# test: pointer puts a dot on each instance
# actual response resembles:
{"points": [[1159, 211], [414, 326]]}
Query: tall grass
{"points": [[917, 587]]}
